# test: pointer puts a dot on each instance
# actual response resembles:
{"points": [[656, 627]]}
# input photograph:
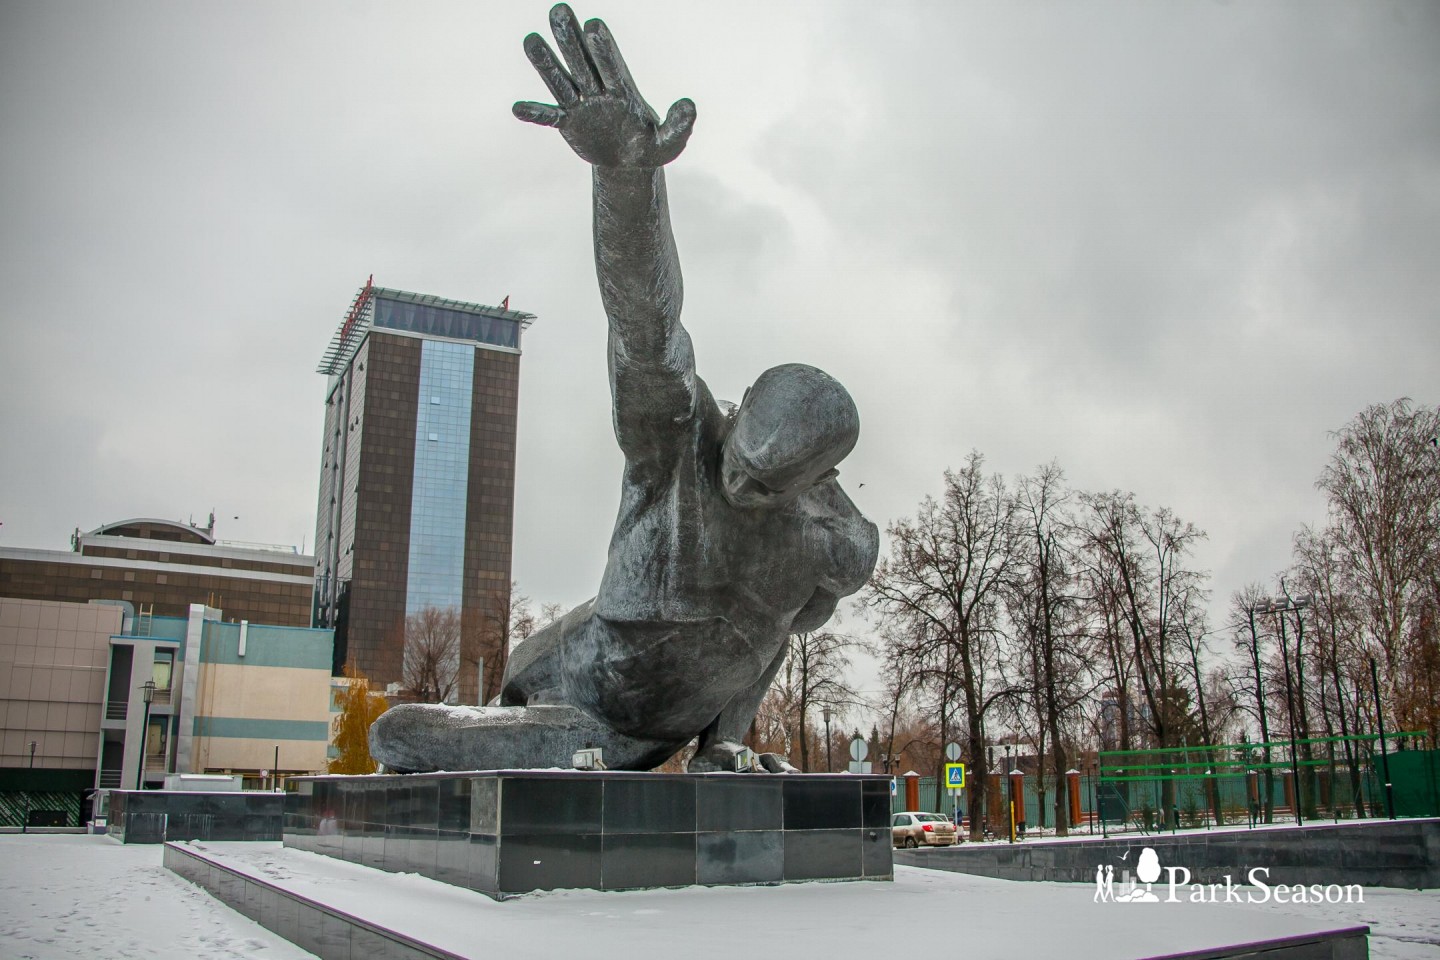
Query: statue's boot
{"points": [[422, 737], [774, 763]]}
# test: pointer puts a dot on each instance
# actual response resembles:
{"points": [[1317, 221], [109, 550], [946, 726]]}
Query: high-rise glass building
{"points": [[417, 477]]}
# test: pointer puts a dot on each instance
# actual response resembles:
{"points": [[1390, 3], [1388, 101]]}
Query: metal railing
{"points": [[120, 709], [111, 779]]}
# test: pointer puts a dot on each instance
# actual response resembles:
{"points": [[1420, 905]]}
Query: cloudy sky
{"points": [[1169, 245]]}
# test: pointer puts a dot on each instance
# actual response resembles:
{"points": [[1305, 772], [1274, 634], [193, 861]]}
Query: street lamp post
{"points": [[1280, 609], [826, 713], [1267, 804], [147, 691], [25, 821], [1010, 811], [1094, 796]]}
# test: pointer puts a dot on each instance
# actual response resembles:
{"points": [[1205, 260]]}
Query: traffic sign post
{"points": [[954, 782], [858, 752]]}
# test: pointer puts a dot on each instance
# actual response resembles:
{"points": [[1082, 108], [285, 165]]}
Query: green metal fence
{"points": [[1340, 778], [1321, 778]]}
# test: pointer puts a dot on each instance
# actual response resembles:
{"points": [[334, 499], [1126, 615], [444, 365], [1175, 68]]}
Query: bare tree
{"points": [[812, 676], [432, 655], [902, 676], [1044, 603], [1340, 648], [939, 593], [1250, 679], [491, 633], [1141, 557], [1193, 632], [1383, 486], [773, 729]]}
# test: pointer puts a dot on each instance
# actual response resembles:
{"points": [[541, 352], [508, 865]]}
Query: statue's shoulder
{"points": [[830, 498], [693, 436], [713, 419], [845, 542], [848, 531]]}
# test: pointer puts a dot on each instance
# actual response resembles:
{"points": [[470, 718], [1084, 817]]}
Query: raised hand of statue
{"points": [[597, 108]]}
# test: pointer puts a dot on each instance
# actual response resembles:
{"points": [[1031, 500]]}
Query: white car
{"points": [[912, 829]]}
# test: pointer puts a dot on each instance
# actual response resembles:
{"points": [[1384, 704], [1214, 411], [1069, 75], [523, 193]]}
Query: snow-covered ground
{"points": [[67, 896]]}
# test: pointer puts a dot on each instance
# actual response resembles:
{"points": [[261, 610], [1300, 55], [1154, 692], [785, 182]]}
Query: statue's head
{"points": [[794, 425]]}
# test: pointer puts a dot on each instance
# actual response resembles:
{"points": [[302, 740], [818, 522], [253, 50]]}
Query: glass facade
{"points": [[434, 320], [442, 461]]}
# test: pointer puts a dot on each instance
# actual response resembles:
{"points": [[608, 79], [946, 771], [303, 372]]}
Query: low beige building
{"points": [[111, 699], [53, 661]]}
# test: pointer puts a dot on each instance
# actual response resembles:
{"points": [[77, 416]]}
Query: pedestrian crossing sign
{"points": [[955, 776]]}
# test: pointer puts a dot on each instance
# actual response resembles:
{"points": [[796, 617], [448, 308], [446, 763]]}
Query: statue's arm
{"points": [[652, 363], [600, 113]]}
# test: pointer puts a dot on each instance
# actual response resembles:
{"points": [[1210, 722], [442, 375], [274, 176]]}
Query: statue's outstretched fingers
{"points": [[530, 112], [605, 53], [566, 27], [554, 75]]}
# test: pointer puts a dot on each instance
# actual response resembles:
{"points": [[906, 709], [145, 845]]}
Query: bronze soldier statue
{"points": [[733, 531]]}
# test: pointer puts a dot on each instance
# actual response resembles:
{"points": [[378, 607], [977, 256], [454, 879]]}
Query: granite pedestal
{"points": [[513, 831], [154, 816]]}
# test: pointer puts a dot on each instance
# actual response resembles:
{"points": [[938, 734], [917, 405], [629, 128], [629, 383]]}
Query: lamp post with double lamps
{"points": [[147, 692], [1094, 795], [825, 712], [1010, 806], [25, 820]]}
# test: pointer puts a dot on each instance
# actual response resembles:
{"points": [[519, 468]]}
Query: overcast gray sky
{"points": [[1170, 245]]}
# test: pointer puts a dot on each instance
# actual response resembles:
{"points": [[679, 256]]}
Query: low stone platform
{"points": [[1372, 853], [154, 816], [513, 831], [343, 911]]}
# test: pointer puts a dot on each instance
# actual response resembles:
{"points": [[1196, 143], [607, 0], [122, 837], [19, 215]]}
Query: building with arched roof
{"points": [[239, 681], [160, 567]]}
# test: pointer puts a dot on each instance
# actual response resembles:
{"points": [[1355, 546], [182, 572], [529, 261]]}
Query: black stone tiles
{"points": [[153, 816], [509, 832]]}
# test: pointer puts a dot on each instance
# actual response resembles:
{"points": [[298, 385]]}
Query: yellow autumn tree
{"points": [[358, 709]]}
